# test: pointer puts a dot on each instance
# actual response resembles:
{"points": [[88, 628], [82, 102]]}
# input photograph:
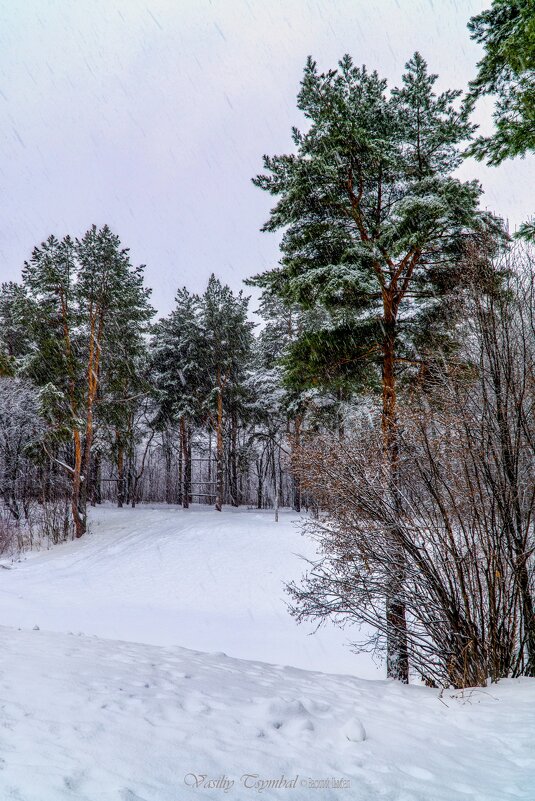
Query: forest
{"points": [[384, 387]]}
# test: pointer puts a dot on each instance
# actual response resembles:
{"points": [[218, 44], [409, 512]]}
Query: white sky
{"points": [[153, 115]]}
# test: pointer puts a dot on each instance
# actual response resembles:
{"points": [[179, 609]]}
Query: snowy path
{"points": [[199, 579], [97, 720]]}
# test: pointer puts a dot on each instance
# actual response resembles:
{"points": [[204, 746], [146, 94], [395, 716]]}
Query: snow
{"points": [[199, 579], [100, 719]]}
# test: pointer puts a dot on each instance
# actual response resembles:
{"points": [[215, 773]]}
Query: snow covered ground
{"points": [[199, 579], [96, 719]]}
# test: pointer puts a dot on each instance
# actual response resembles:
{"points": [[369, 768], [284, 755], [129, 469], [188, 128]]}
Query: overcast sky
{"points": [[153, 115]]}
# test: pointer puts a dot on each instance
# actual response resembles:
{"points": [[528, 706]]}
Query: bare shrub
{"points": [[9, 537], [463, 517], [50, 523]]}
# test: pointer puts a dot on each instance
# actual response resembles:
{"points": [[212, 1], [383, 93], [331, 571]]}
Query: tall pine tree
{"points": [[178, 355], [228, 339], [375, 225], [83, 296]]}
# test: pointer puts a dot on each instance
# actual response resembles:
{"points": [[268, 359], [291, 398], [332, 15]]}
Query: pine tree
{"points": [[228, 339], [84, 296], [200, 355], [178, 356], [507, 71], [115, 308], [375, 225]]}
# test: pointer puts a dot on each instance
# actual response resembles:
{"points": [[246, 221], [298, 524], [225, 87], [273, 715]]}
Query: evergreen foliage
{"points": [[375, 223], [200, 357], [507, 70]]}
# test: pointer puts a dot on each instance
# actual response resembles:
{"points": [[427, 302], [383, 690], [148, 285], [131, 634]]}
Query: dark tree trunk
{"points": [[180, 472], [234, 498], [185, 465], [210, 497], [260, 482], [96, 494], [168, 454], [121, 488], [219, 448], [276, 489], [296, 480], [77, 507], [397, 661], [187, 472]]}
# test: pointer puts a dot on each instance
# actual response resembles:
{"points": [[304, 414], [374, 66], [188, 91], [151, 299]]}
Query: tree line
{"points": [[117, 407]]}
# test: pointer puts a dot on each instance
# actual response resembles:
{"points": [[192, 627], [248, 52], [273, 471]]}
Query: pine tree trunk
{"points": [[184, 464], [78, 512], [234, 462], [219, 447], [93, 368], [121, 493], [277, 488], [129, 475], [168, 465], [180, 471], [397, 649], [98, 487], [132, 478], [210, 498], [95, 481], [296, 443], [187, 487], [260, 482]]}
